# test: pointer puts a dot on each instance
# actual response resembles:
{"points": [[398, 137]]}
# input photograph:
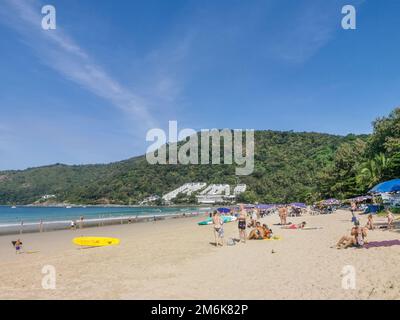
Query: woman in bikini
{"points": [[267, 232], [257, 233], [357, 238], [296, 226], [218, 229]]}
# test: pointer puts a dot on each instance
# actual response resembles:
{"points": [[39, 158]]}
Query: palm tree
{"points": [[372, 171]]}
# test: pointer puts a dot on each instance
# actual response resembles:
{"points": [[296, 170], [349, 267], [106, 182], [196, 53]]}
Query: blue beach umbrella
{"points": [[223, 210], [388, 186]]}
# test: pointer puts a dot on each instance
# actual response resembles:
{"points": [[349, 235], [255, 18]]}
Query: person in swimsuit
{"points": [[357, 238], [390, 218], [218, 229], [370, 223], [242, 224], [285, 212], [257, 233], [296, 226], [17, 245], [282, 214], [267, 232]]}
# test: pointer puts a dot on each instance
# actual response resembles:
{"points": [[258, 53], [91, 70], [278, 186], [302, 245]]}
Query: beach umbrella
{"points": [[388, 186], [298, 205], [330, 202], [224, 210], [265, 206], [361, 198]]}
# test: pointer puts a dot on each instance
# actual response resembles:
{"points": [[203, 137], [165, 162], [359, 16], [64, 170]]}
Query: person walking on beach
{"points": [[242, 224], [218, 229]]}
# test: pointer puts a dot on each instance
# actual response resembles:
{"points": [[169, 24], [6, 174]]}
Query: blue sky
{"points": [[89, 91]]}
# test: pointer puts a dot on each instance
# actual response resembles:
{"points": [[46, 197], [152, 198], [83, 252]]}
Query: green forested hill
{"points": [[287, 168]]}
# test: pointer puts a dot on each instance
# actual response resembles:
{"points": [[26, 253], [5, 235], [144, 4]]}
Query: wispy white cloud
{"points": [[310, 29], [60, 51]]}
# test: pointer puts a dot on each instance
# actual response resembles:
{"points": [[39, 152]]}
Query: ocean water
{"points": [[12, 216]]}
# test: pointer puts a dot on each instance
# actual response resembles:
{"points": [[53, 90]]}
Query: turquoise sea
{"points": [[13, 216]]}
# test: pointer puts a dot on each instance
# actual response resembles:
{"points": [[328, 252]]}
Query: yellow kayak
{"points": [[95, 241]]}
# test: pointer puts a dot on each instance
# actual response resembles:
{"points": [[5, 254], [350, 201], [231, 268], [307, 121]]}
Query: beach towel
{"points": [[274, 238], [378, 244]]}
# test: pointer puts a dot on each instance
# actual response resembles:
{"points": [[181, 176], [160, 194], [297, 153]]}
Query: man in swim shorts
{"points": [[242, 224]]}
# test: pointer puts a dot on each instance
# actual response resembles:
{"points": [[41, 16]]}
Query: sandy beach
{"points": [[175, 259]]}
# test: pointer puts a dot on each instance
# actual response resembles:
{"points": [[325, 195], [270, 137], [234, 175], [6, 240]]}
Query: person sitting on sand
{"points": [[17, 245], [370, 223], [390, 219], [218, 229], [267, 232], [357, 238], [257, 233]]}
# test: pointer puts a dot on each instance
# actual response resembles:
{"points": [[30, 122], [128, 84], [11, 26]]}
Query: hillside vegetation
{"points": [[286, 168], [289, 166]]}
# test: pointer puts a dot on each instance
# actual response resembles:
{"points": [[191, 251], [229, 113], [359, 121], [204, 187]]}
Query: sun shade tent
{"points": [[223, 210], [388, 186]]}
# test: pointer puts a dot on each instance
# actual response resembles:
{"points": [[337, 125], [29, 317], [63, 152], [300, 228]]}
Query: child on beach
{"points": [[17, 245]]}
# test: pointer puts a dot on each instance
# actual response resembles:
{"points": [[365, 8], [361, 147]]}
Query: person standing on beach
{"points": [[253, 218], [17, 245], [283, 212], [242, 224], [390, 218], [218, 229]]}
